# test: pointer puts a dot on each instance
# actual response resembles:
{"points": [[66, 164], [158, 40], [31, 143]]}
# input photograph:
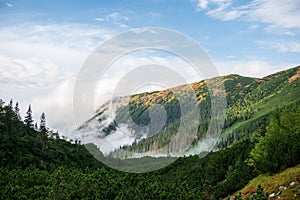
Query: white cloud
{"points": [[58, 106], [99, 19], [224, 11], [253, 27], [202, 4], [39, 62], [276, 13], [230, 57], [221, 9], [29, 73], [130, 62], [284, 46], [256, 68], [78, 36], [289, 33], [64, 45], [9, 5], [116, 18]]}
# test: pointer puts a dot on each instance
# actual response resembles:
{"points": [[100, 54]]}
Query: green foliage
{"points": [[37, 164], [187, 178], [22, 146], [28, 118], [279, 148]]}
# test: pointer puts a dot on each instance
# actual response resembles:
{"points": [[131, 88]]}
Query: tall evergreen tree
{"points": [[1, 103], [43, 128], [36, 127], [10, 105], [28, 118], [43, 139], [17, 111], [43, 121]]}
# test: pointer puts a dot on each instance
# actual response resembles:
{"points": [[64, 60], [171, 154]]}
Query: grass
{"points": [[268, 105], [271, 183]]}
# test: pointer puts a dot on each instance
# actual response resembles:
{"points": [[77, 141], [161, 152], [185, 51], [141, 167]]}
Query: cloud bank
{"points": [[276, 13]]}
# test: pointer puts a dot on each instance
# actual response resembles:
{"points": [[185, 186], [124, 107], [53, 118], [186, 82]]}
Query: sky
{"points": [[43, 45]]}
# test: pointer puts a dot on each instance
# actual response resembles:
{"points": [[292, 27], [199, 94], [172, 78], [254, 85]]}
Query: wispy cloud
{"points": [[222, 9], [27, 73], [253, 68], [276, 13], [116, 18], [99, 19], [9, 5], [202, 4], [230, 57], [131, 62], [253, 27], [285, 46], [39, 63], [289, 33]]}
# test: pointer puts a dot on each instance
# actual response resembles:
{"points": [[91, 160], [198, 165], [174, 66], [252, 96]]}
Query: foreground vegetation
{"points": [[37, 164], [285, 183]]}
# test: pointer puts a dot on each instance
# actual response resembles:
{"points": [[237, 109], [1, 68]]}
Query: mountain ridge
{"points": [[247, 99]]}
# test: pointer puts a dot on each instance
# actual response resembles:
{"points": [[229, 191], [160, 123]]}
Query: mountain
{"points": [[250, 102], [35, 163]]}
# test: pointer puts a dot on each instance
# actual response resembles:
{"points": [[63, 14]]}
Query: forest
{"points": [[150, 100], [35, 163]]}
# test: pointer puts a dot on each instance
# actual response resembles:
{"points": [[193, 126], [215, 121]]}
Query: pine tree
{"points": [[43, 139], [43, 128], [17, 111], [1, 103], [10, 105], [28, 118], [36, 127]]}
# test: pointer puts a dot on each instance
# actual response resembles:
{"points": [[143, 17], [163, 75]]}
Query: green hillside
{"points": [[250, 102], [285, 184]]}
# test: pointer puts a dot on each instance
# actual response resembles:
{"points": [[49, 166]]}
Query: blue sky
{"points": [[244, 37], [43, 44]]}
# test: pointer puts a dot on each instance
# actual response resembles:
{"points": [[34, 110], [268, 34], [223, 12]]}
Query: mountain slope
{"points": [[285, 184], [250, 101]]}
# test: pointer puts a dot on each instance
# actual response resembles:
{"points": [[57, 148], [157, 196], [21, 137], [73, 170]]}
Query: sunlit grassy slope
{"points": [[250, 102], [271, 184]]}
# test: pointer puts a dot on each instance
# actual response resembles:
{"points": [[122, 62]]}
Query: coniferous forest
{"points": [[150, 100], [36, 163]]}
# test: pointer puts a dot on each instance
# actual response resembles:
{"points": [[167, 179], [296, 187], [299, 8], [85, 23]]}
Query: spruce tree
{"points": [[43, 139], [10, 105], [43, 128], [28, 118], [1, 103], [17, 111]]}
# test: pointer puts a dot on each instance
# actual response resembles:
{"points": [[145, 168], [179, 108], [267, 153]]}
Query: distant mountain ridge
{"points": [[250, 101]]}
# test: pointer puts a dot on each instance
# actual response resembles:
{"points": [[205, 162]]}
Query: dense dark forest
{"points": [[35, 163]]}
